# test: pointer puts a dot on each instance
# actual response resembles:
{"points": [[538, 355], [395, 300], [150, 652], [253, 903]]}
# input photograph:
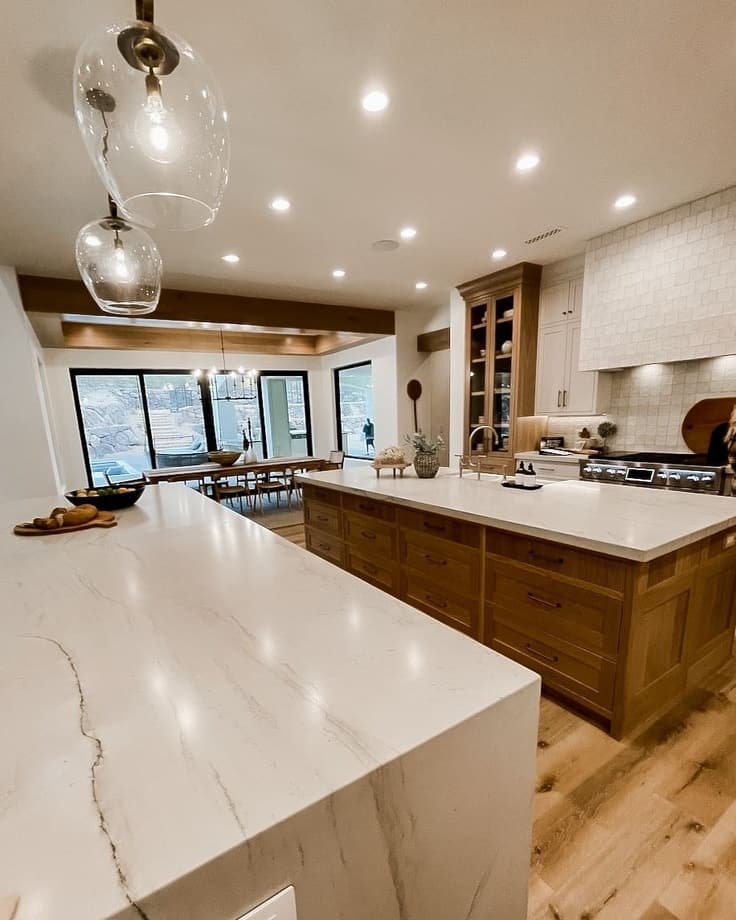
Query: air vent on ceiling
{"points": [[385, 245], [553, 231]]}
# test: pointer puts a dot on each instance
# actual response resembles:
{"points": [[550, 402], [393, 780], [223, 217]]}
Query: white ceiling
{"points": [[616, 95]]}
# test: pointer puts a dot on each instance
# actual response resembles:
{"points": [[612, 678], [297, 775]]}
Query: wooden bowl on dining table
{"points": [[224, 457]]}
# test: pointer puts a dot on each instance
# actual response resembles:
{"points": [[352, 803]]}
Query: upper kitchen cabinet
{"points": [[500, 359], [562, 388]]}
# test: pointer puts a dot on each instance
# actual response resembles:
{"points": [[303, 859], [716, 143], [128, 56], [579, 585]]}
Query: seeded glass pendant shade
{"points": [[120, 266], [154, 124]]}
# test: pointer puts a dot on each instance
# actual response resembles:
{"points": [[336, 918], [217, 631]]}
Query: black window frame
{"points": [[338, 413], [207, 408]]}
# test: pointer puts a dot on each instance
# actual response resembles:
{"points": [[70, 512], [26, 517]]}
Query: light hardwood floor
{"points": [[641, 829]]}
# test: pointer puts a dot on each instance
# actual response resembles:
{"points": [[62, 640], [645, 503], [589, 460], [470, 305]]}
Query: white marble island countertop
{"points": [[627, 522], [178, 689]]}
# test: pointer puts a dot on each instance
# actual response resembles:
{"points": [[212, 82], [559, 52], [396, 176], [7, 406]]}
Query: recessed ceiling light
{"points": [[527, 161], [420, 285], [624, 201], [338, 273], [280, 204], [231, 258], [499, 254], [408, 233], [375, 101]]}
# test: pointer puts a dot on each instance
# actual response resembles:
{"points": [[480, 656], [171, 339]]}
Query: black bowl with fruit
{"points": [[108, 498]]}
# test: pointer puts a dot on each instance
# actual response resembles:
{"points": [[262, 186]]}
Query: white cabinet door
{"points": [[551, 366], [575, 302], [580, 386], [554, 303]]}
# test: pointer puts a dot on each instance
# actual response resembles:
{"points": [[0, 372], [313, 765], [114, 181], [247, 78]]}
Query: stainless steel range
{"points": [[676, 472]]}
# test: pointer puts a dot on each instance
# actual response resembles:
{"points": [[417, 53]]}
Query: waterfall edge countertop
{"points": [[195, 712], [630, 523]]}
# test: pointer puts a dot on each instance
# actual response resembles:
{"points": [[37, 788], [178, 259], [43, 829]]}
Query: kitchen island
{"points": [[196, 713], [621, 598]]}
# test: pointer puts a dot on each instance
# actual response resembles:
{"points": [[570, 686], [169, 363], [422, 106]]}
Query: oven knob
{"points": [[662, 475], [693, 477], [596, 471], [621, 472], [674, 477], [610, 472], [709, 481], [588, 469]]}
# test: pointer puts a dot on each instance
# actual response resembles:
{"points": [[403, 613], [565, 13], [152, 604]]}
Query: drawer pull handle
{"points": [[368, 534], [432, 561], [543, 601], [435, 601], [322, 517], [371, 569], [324, 546], [539, 558], [553, 659], [440, 528]]}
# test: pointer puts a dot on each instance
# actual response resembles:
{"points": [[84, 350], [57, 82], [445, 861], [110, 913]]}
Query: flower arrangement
{"points": [[423, 444]]}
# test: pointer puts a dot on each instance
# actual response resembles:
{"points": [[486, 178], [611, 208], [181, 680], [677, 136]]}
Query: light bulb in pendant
{"points": [[156, 128], [121, 268]]}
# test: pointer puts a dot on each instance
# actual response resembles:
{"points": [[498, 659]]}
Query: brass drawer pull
{"points": [[435, 601], [438, 527], [368, 534], [553, 659], [325, 546], [322, 517], [543, 601], [371, 569], [539, 558], [433, 561]]}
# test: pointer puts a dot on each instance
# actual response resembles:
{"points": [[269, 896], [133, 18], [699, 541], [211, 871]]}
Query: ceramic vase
{"points": [[426, 464]]}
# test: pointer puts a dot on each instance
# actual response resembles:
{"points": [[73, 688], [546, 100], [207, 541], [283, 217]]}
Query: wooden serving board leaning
{"points": [[103, 519]]}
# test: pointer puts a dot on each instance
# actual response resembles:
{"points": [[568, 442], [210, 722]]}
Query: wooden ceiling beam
{"points": [[437, 340], [60, 295], [101, 335]]}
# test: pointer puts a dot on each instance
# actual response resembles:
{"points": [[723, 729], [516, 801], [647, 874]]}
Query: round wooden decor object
{"points": [[702, 418], [413, 389]]}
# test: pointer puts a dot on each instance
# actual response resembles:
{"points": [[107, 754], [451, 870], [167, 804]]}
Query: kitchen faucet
{"points": [[470, 448]]}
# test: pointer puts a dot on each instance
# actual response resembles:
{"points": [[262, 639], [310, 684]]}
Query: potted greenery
{"points": [[426, 459], [606, 430]]}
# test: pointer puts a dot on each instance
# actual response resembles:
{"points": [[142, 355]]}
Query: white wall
{"points": [[27, 458], [662, 289], [458, 434]]}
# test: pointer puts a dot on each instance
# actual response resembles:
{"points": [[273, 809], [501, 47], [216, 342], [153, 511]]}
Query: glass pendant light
{"points": [[154, 123], [120, 266]]}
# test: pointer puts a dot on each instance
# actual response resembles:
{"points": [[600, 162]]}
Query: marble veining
{"points": [[194, 712], [631, 523]]}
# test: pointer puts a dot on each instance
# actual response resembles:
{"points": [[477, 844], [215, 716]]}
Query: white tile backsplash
{"points": [[662, 289], [649, 403]]}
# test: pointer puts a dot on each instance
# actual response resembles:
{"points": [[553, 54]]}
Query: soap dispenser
{"points": [[520, 474], [530, 478]]}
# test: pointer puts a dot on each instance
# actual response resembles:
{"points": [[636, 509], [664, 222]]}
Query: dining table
{"points": [[210, 472]]}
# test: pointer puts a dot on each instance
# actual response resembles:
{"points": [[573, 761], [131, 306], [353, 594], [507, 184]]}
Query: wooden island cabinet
{"points": [[620, 640]]}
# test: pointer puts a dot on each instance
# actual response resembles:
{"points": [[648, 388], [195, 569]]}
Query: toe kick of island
{"points": [[620, 640]]}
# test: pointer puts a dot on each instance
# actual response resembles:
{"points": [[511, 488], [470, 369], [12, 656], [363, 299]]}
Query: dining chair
{"points": [[337, 457], [227, 491], [265, 485]]}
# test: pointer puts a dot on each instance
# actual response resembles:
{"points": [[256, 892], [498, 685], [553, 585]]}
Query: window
{"points": [[131, 421], [354, 410]]}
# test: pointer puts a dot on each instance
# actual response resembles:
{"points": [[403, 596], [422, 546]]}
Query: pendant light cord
{"points": [[144, 10]]}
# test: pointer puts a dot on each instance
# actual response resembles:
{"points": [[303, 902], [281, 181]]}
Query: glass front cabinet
{"points": [[501, 350]]}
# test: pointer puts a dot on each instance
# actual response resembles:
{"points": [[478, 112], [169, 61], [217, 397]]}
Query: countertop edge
{"points": [[585, 543]]}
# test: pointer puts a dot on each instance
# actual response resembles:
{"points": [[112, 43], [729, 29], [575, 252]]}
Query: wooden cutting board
{"points": [[103, 519], [702, 418]]}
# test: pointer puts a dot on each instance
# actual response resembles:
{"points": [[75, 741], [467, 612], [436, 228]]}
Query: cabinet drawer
{"points": [[554, 558], [575, 613], [572, 671], [380, 511], [323, 517], [325, 545], [380, 574], [321, 494], [439, 526], [460, 612], [559, 471], [375, 539], [442, 561]]}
